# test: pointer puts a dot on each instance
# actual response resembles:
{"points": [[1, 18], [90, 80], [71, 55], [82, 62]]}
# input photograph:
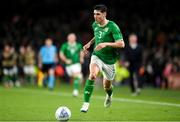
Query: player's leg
{"points": [[109, 92], [108, 74], [6, 77], [14, 73], [51, 79], [29, 73], [44, 70], [94, 70], [77, 77]]}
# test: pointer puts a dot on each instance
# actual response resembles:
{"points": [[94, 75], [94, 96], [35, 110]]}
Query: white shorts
{"points": [[108, 70], [10, 71], [73, 69], [29, 69]]}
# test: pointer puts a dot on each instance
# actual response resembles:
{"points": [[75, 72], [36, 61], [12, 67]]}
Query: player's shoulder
{"points": [[43, 48], [79, 44], [112, 23], [53, 47], [94, 24], [64, 44]]}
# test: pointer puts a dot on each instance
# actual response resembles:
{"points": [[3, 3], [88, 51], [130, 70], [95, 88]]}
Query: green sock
{"points": [[88, 90], [76, 83], [27, 78], [6, 78], [109, 91], [32, 79]]}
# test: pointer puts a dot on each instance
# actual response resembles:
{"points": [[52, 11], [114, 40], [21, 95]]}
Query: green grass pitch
{"points": [[40, 104]]}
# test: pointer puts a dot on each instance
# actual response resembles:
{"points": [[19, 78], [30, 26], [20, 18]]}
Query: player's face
{"points": [[99, 16], [133, 39], [7, 48], [71, 38], [48, 42]]}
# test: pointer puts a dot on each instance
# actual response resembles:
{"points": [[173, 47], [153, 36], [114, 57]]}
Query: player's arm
{"points": [[117, 36], [81, 57], [39, 61], [56, 58], [116, 44], [88, 45], [63, 58]]}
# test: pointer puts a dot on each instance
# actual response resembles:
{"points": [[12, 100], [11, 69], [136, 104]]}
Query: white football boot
{"points": [[108, 101], [75, 93], [85, 107]]}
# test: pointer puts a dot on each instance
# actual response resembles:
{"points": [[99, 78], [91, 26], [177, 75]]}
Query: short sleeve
{"points": [[63, 48], [116, 32], [41, 51], [55, 48], [81, 47]]}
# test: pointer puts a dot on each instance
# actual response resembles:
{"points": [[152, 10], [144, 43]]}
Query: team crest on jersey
{"points": [[106, 29]]}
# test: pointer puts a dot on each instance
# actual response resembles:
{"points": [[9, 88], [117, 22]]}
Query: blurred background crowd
{"points": [[25, 24]]}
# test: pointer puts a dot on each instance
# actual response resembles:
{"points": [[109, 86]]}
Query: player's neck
{"points": [[104, 22]]}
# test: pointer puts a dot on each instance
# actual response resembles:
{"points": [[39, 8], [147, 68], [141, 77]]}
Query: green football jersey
{"points": [[109, 33], [72, 52]]}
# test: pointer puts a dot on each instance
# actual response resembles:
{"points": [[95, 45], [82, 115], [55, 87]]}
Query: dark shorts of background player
{"points": [[47, 67], [7, 67]]}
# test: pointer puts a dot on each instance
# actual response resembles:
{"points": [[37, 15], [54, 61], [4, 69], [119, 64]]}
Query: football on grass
{"points": [[63, 113]]}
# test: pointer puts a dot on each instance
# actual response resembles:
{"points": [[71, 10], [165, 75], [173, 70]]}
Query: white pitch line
{"points": [[103, 97], [131, 100], [142, 101]]}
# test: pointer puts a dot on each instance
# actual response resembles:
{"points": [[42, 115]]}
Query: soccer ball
{"points": [[63, 113]]}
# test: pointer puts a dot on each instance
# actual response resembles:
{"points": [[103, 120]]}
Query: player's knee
{"points": [[51, 72], [107, 86], [92, 76]]}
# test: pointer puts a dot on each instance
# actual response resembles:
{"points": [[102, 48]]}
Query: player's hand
{"points": [[87, 46], [85, 52], [85, 49], [100, 46], [39, 65], [68, 61], [81, 60]]}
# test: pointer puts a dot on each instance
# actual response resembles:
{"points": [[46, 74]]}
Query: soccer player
{"points": [[47, 61], [29, 62], [9, 66], [71, 54], [107, 39]]}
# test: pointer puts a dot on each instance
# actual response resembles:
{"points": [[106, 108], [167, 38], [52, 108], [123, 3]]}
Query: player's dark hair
{"points": [[100, 7]]}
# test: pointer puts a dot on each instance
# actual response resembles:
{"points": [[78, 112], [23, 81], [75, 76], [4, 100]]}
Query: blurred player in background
{"points": [[71, 54], [47, 61], [107, 39], [29, 64], [9, 65]]}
